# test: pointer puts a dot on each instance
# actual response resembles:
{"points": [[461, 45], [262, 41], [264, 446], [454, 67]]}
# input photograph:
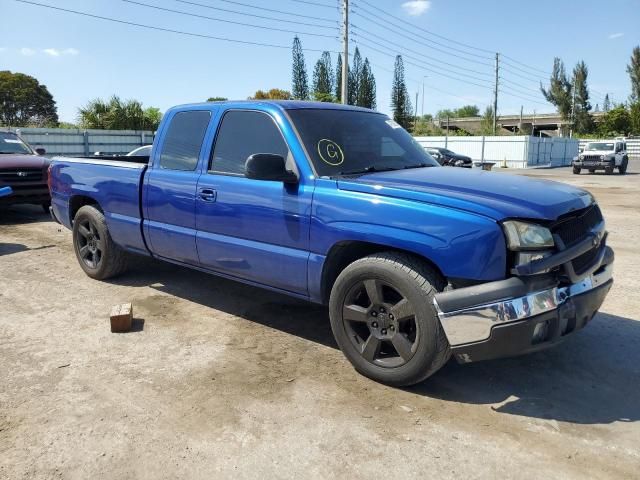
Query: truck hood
{"points": [[494, 195], [22, 161]]}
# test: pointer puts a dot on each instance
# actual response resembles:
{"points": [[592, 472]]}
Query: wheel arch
{"points": [[344, 253], [78, 201]]}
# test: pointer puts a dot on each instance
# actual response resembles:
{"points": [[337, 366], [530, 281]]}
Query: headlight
{"points": [[601, 157], [581, 157], [527, 236]]}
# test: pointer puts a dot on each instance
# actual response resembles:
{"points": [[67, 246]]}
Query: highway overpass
{"points": [[547, 124]]}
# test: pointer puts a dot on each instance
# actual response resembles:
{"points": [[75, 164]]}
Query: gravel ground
{"points": [[222, 380]]}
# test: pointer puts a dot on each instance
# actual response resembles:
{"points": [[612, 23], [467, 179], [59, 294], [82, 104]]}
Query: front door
{"points": [[252, 229]]}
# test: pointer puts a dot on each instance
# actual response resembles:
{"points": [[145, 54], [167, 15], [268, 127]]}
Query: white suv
{"points": [[603, 155]]}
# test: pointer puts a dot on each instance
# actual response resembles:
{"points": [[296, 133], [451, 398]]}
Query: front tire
{"points": [[97, 254], [576, 170], [622, 169], [383, 318]]}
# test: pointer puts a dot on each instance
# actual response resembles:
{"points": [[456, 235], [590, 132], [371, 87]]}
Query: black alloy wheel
{"points": [[381, 323], [90, 245]]}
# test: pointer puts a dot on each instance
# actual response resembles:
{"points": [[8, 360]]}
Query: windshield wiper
{"points": [[368, 169], [420, 165]]}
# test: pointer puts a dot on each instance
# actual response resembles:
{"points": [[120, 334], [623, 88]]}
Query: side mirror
{"points": [[268, 166], [40, 151]]}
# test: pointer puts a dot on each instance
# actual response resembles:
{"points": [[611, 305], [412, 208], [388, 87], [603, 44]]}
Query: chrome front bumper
{"points": [[475, 323]]}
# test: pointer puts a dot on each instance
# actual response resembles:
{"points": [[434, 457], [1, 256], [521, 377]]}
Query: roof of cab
{"points": [[282, 104]]}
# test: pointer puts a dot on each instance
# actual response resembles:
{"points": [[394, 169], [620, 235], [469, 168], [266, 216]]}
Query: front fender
{"points": [[461, 244]]}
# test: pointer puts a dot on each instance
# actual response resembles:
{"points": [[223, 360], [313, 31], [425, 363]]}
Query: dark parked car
{"points": [[447, 158], [24, 170]]}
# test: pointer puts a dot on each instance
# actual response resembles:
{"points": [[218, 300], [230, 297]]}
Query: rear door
{"points": [[170, 187], [253, 229]]}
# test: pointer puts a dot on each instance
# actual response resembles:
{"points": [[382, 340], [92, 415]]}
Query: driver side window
{"points": [[241, 134]]}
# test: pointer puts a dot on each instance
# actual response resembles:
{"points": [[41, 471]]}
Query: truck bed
{"points": [[115, 184]]}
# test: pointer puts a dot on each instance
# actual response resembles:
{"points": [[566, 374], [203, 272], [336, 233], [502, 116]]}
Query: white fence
{"points": [[517, 151], [633, 146], [75, 142]]}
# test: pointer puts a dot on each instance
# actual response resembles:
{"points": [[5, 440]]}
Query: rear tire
{"points": [[383, 318], [97, 254], [576, 170]]}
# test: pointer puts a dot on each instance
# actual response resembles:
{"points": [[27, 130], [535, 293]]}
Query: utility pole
{"points": [[415, 119], [495, 96], [533, 125], [520, 126], [425, 76], [345, 49]]}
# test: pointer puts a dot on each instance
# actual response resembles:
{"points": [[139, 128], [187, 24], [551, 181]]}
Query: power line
{"points": [[313, 17], [411, 36], [427, 31], [162, 29], [264, 17], [435, 72], [377, 65], [418, 53], [526, 65], [317, 4], [180, 12]]}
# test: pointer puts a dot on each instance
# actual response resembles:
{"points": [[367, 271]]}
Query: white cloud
{"points": [[415, 8], [613, 36], [54, 52], [27, 52]]}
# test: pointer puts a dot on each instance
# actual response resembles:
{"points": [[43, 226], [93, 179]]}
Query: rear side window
{"points": [[242, 134], [183, 141]]}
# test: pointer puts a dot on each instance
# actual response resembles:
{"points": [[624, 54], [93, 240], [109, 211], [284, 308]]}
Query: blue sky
{"points": [[81, 58]]}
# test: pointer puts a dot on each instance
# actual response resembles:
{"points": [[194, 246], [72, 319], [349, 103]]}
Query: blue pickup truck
{"points": [[340, 206]]}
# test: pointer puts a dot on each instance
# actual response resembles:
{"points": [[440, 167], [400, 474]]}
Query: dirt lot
{"points": [[222, 380]]}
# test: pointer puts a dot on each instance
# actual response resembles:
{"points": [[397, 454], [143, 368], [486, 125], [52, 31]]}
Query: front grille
{"points": [[574, 228], [591, 158], [16, 175], [584, 261]]}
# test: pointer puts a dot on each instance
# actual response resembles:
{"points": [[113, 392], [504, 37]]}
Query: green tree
{"points": [[606, 105], [299, 81], [117, 114], [25, 102], [367, 91], [582, 119], [323, 79], [559, 91], [486, 124], [400, 101], [634, 117], [354, 78], [445, 112], [273, 94], [217, 99], [467, 111], [616, 121], [339, 78], [633, 69]]}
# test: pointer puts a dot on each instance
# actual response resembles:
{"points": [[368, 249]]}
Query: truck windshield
{"points": [[601, 147], [10, 143], [348, 142]]}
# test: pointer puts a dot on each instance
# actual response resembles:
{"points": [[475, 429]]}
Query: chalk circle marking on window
{"points": [[330, 152]]}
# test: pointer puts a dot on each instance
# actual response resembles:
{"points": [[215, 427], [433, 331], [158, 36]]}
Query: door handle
{"points": [[207, 194]]}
